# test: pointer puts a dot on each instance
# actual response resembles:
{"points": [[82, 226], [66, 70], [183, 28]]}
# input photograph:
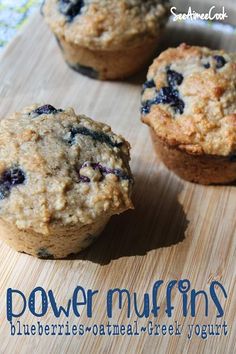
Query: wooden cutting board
{"points": [[178, 230]]}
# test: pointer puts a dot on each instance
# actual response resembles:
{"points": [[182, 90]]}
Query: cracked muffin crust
{"points": [[106, 39], [62, 176], [189, 101]]}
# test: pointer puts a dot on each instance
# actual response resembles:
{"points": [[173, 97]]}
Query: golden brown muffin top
{"points": [[106, 24], [59, 168], [189, 99]]}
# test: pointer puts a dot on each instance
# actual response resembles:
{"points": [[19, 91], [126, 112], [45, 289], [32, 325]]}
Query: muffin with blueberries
{"points": [[189, 102], [107, 39], [62, 176]]}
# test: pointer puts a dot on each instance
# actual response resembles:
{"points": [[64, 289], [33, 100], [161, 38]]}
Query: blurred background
{"points": [[14, 13]]}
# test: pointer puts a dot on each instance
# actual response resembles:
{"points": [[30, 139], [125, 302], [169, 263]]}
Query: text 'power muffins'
{"points": [[189, 101], [62, 176], [107, 39]]}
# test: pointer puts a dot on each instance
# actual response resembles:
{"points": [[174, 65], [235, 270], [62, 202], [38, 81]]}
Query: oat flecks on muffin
{"points": [[105, 23], [51, 177], [189, 100]]}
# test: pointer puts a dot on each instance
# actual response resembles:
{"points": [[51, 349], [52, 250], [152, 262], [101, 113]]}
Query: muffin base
{"points": [[58, 244], [107, 64], [202, 169]]}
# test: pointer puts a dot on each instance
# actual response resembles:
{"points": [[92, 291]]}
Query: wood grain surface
{"points": [[178, 230]]}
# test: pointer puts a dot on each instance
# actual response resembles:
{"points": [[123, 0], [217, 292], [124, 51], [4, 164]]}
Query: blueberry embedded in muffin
{"points": [[103, 172], [220, 61], [71, 8], [62, 176], [167, 94], [214, 61], [189, 101], [99, 136], [44, 110], [10, 178], [84, 70], [174, 78], [44, 254], [95, 36]]}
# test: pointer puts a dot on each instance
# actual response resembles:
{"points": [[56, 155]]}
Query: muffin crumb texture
{"points": [[189, 100], [105, 23], [107, 39], [60, 174]]}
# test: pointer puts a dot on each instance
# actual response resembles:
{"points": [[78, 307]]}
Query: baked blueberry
{"points": [[168, 95], [178, 106], [70, 8], [220, 61], [119, 173], [44, 254], [149, 84], [174, 78], [85, 70], [104, 171], [207, 65], [145, 109], [84, 179], [46, 109], [13, 176], [9, 179], [95, 135]]}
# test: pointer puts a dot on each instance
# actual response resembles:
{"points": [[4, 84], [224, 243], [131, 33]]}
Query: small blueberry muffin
{"points": [[189, 101], [106, 39], [62, 176]]}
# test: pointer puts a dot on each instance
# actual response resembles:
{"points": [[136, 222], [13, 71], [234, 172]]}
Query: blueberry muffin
{"points": [[62, 176], [189, 102], [106, 39]]}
